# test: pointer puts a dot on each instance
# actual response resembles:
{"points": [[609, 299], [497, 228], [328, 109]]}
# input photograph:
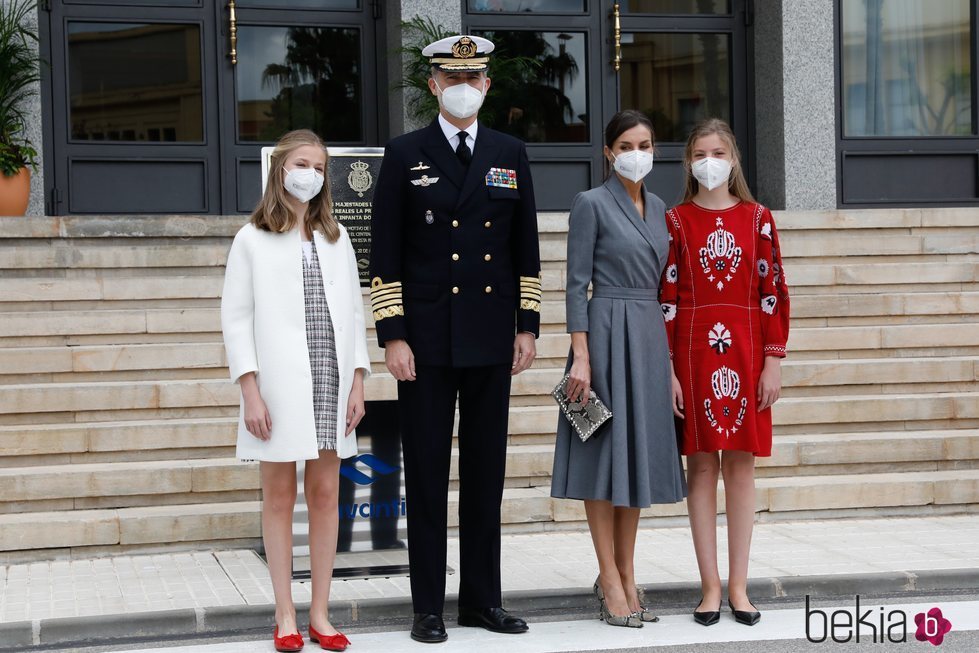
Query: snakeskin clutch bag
{"points": [[585, 420]]}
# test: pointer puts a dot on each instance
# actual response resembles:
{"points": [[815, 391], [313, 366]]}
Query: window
{"points": [[906, 82]]}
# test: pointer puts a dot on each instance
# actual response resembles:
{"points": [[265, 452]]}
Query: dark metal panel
{"points": [[138, 186], [899, 178], [248, 182], [557, 182]]}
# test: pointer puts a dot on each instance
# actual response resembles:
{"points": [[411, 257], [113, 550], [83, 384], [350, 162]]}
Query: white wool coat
{"points": [[263, 317]]}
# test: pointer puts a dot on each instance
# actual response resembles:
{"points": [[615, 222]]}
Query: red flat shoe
{"points": [[287, 643], [338, 642]]}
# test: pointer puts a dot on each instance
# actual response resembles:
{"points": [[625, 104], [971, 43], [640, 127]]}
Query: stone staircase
{"points": [[117, 422]]}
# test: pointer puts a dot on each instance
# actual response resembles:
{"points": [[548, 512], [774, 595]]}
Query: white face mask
{"points": [[711, 172], [303, 183], [461, 100], [634, 164]]}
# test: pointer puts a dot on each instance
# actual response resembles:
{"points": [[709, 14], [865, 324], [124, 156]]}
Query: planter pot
{"points": [[15, 192]]}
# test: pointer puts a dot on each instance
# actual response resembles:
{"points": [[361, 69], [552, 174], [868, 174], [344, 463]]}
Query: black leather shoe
{"points": [[428, 628], [708, 618], [497, 620], [746, 617]]}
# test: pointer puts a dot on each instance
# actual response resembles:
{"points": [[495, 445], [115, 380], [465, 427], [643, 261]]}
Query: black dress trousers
{"points": [[427, 412]]}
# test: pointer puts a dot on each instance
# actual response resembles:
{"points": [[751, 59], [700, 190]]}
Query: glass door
{"points": [[150, 113], [679, 62], [132, 114], [296, 64]]}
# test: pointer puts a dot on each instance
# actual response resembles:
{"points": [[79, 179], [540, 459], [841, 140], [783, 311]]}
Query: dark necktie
{"points": [[463, 152]]}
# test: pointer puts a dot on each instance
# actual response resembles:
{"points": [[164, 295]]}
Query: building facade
{"points": [[161, 106]]}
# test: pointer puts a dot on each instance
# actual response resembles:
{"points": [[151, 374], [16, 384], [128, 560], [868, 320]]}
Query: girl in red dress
{"points": [[726, 307]]}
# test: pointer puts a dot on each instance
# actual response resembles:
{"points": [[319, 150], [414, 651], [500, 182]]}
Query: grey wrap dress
{"points": [[633, 460]]}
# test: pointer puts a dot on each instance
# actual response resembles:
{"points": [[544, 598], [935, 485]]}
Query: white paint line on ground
{"points": [[671, 630]]}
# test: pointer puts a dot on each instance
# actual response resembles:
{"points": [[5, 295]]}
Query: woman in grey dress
{"points": [[618, 242]]}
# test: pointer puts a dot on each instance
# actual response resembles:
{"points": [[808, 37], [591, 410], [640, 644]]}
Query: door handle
{"points": [[233, 31], [617, 37]]}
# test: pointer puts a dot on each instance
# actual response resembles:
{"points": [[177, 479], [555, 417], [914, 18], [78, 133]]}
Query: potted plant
{"points": [[19, 72], [512, 74]]}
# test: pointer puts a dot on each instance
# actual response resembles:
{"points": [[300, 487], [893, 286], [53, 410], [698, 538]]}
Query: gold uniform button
{"points": [[489, 289], [488, 224], [455, 290], [455, 257], [455, 223], [487, 258]]}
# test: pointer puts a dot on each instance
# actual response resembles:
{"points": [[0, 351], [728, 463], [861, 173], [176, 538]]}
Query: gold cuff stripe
{"points": [[530, 286], [388, 312], [377, 284], [380, 292], [530, 305], [530, 280], [527, 289], [385, 292], [381, 305], [383, 300]]}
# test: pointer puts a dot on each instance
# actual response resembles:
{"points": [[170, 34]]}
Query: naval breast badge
{"points": [[424, 181], [420, 166], [429, 218], [360, 179], [501, 178]]}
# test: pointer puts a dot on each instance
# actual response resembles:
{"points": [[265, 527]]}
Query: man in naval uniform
{"points": [[455, 289]]}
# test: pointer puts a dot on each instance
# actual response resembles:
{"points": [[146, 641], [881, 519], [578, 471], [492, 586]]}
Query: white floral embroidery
{"points": [[725, 382], [768, 304], [762, 268], [719, 338], [671, 273], [766, 231], [669, 311]]}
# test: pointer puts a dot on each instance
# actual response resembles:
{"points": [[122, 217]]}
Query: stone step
{"points": [[182, 435], [531, 508], [553, 347], [792, 455], [844, 274], [539, 382]]}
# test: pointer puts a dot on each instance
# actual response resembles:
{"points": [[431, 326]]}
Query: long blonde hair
{"points": [[273, 212], [737, 185]]}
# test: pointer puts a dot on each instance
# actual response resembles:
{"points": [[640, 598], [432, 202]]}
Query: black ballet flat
{"points": [[708, 618], [745, 617]]}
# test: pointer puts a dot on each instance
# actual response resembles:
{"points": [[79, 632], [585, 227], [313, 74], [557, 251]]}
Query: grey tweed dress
{"points": [[322, 354], [633, 460]]}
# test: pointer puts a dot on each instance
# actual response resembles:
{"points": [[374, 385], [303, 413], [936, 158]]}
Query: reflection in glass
{"points": [[135, 82], [538, 6], [542, 100], [299, 77], [676, 79], [675, 6], [302, 4], [907, 68]]}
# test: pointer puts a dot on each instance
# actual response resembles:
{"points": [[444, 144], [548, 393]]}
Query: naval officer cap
{"points": [[459, 53]]}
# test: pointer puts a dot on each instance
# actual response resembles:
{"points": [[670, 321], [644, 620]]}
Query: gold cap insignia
{"points": [[464, 48]]}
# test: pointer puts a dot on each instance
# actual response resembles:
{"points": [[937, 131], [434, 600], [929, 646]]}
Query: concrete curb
{"points": [[99, 629]]}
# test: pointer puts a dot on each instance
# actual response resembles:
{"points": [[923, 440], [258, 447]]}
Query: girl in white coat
{"points": [[293, 322]]}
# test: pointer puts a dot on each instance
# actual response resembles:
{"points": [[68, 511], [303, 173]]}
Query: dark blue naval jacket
{"points": [[455, 260]]}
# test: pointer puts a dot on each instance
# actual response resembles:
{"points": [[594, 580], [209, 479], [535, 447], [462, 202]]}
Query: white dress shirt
{"points": [[452, 133]]}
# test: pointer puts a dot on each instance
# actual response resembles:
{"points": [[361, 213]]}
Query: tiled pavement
{"points": [[541, 562]]}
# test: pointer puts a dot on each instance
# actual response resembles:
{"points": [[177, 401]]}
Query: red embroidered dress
{"points": [[726, 307]]}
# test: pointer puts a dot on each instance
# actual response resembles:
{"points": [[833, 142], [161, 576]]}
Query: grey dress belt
{"points": [[613, 292]]}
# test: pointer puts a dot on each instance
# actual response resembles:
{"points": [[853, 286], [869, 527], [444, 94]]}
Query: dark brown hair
{"points": [[737, 185], [625, 120], [273, 212]]}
